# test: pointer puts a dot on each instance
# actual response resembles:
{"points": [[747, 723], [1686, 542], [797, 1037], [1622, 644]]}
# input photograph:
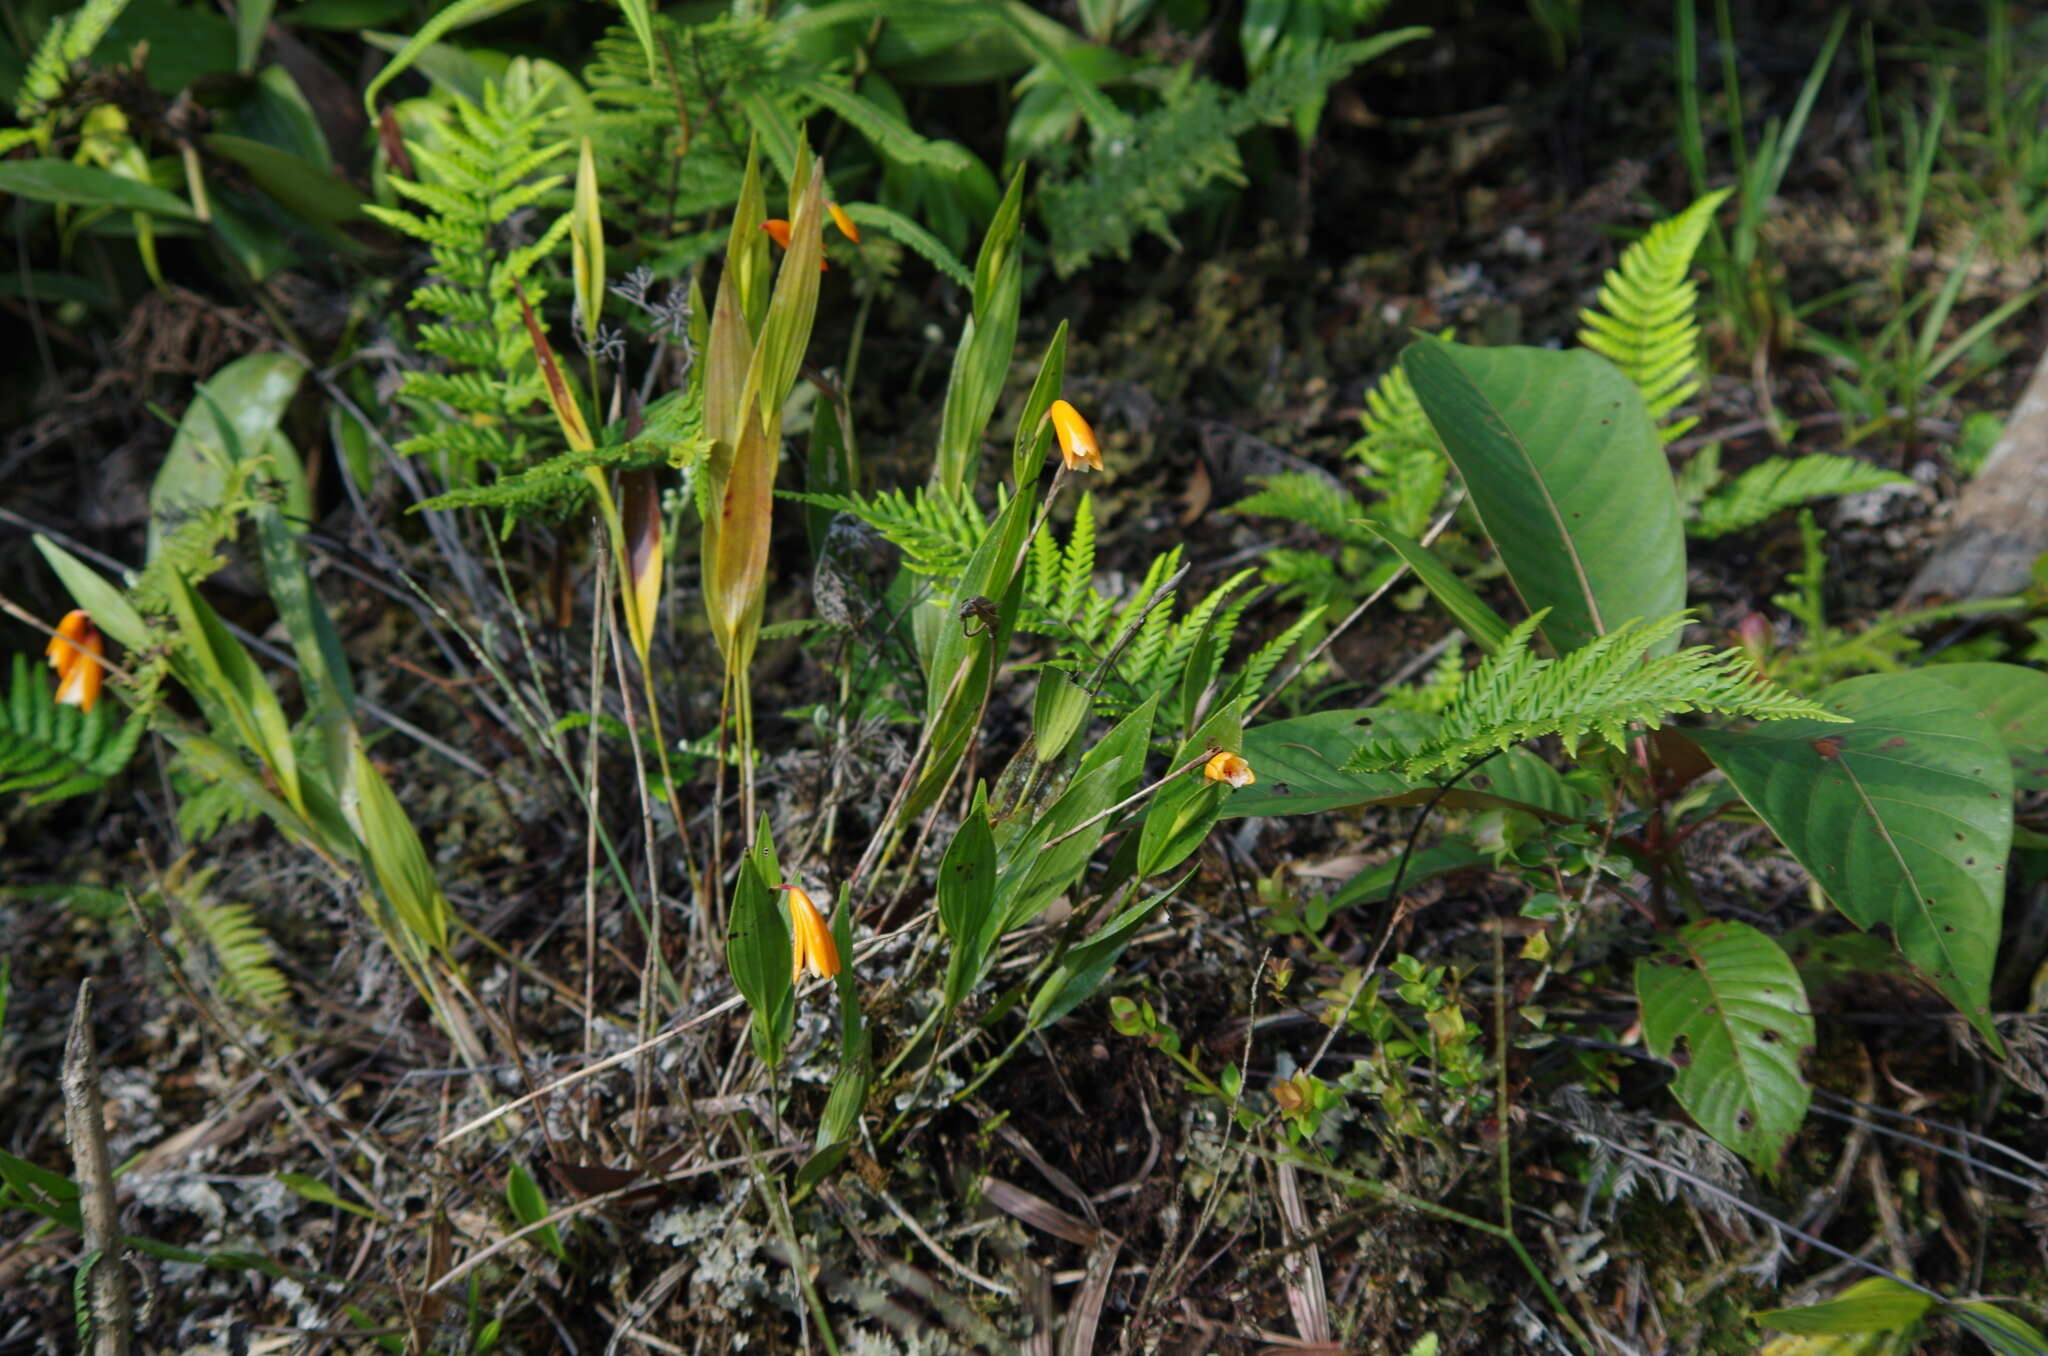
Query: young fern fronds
{"points": [[248, 971], [1781, 483], [69, 40], [937, 531], [491, 165], [1312, 500], [1645, 323], [672, 435], [1597, 690], [1138, 182], [53, 751]]}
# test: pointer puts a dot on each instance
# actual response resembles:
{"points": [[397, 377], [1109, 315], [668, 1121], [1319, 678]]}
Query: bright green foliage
{"points": [[1645, 323], [674, 148], [494, 161], [1313, 500], [1778, 483], [1726, 1006], [1405, 458], [1609, 683], [54, 751], [672, 434], [1146, 649], [69, 40], [248, 972], [1137, 182]]}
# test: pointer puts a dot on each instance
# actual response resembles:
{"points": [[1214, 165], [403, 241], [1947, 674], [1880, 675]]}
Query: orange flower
{"points": [[75, 652], [811, 941], [1078, 448], [843, 222], [1228, 767], [778, 231]]}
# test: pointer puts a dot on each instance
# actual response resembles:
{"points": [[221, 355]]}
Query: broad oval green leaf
{"points": [[1903, 816], [1725, 1006], [60, 181], [1569, 478]]}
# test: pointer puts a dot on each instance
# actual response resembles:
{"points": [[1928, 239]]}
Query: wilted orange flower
{"points": [[1228, 767], [843, 222], [1077, 441], [75, 652], [778, 231], [811, 941]]}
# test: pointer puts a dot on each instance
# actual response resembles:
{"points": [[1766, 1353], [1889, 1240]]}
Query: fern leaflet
{"points": [[1597, 690], [1645, 323], [1781, 483], [54, 751]]}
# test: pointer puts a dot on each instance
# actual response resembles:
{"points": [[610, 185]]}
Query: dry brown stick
{"points": [[113, 1320]]}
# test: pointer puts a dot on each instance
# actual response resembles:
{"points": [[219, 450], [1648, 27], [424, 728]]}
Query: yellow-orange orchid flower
{"points": [[1078, 448], [778, 231], [810, 937], [76, 652], [1228, 767], [843, 222]]}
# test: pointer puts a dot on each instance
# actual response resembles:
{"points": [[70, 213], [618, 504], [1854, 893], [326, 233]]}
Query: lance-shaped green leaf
{"points": [[1467, 608], [1873, 1304], [1057, 710], [757, 950], [1726, 1007], [109, 607], [1048, 858], [1904, 818], [214, 664], [323, 668], [61, 181], [530, 1206], [1568, 475], [1086, 966], [233, 418], [1186, 808], [1034, 427], [586, 245], [982, 361], [967, 901], [397, 858]]}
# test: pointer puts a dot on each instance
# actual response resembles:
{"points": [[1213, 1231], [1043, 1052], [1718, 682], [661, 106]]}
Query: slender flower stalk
{"points": [[77, 653], [811, 943], [1078, 448]]}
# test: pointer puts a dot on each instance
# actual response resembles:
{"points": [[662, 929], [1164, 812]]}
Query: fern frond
{"points": [[69, 40], [937, 531], [1645, 324], [673, 435], [1312, 500], [1781, 483], [1139, 181], [483, 169], [242, 950], [1597, 690], [54, 751]]}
